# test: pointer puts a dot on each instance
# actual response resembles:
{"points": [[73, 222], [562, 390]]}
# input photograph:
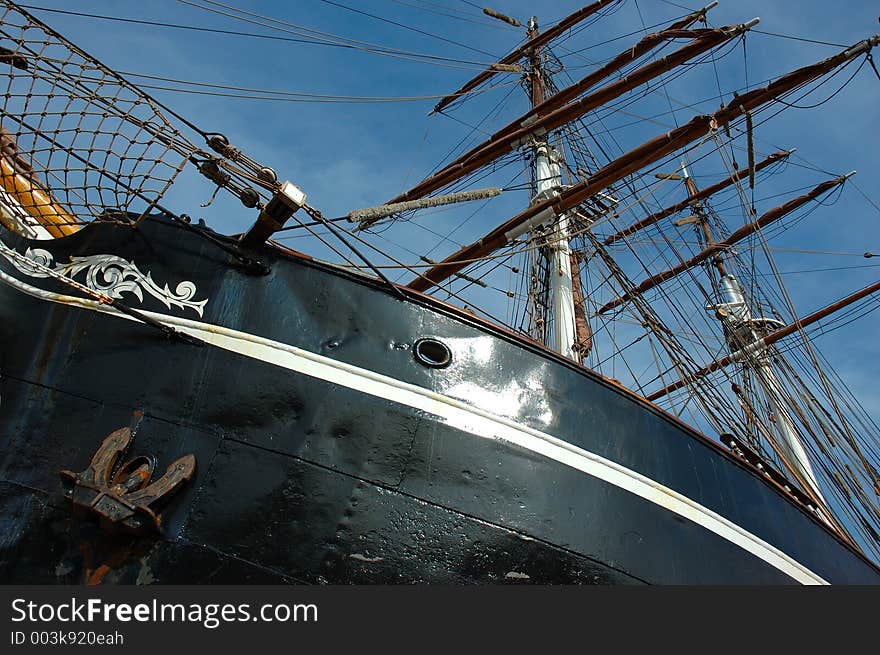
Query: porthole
{"points": [[432, 353]]}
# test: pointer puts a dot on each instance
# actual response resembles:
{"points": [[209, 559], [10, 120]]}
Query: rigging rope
{"points": [[373, 49]]}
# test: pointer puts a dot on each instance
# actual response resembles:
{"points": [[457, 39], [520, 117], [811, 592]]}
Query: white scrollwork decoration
{"points": [[113, 276]]}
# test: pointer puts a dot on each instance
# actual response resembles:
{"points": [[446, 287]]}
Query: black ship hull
{"points": [[326, 452]]}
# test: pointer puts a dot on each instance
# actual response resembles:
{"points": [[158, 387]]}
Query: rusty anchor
{"points": [[125, 500]]}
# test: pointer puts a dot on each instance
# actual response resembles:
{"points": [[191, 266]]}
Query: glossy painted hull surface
{"points": [[326, 453]]}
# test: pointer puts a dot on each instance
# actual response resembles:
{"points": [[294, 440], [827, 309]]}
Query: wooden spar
{"points": [[761, 344], [535, 42], [736, 236], [703, 221], [695, 197], [677, 30], [512, 136], [496, 146], [634, 160], [37, 202], [545, 210]]}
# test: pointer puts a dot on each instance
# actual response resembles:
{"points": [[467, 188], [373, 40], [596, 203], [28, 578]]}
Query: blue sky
{"points": [[346, 155]]}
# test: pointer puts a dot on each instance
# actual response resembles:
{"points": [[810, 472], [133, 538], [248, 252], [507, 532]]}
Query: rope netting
{"points": [[78, 141]]}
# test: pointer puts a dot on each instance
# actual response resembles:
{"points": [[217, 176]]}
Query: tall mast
{"points": [[548, 182], [741, 329]]}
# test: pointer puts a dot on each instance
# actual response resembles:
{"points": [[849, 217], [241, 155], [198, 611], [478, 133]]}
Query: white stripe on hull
{"points": [[461, 416]]}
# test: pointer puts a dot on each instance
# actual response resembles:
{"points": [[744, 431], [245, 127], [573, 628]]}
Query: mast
{"points": [[548, 181], [713, 249], [636, 159], [696, 196], [758, 351], [534, 42], [742, 328], [736, 316], [750, 349], [554, 113]]}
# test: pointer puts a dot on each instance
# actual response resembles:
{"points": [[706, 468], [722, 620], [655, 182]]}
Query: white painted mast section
{"points": [[548, 181]]}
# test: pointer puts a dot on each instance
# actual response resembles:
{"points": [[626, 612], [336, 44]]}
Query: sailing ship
{"points": [[184, 406]]}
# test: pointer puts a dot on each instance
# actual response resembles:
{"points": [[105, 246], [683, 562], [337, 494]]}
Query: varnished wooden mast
{"points": [[677, 30], [703, 220]]}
